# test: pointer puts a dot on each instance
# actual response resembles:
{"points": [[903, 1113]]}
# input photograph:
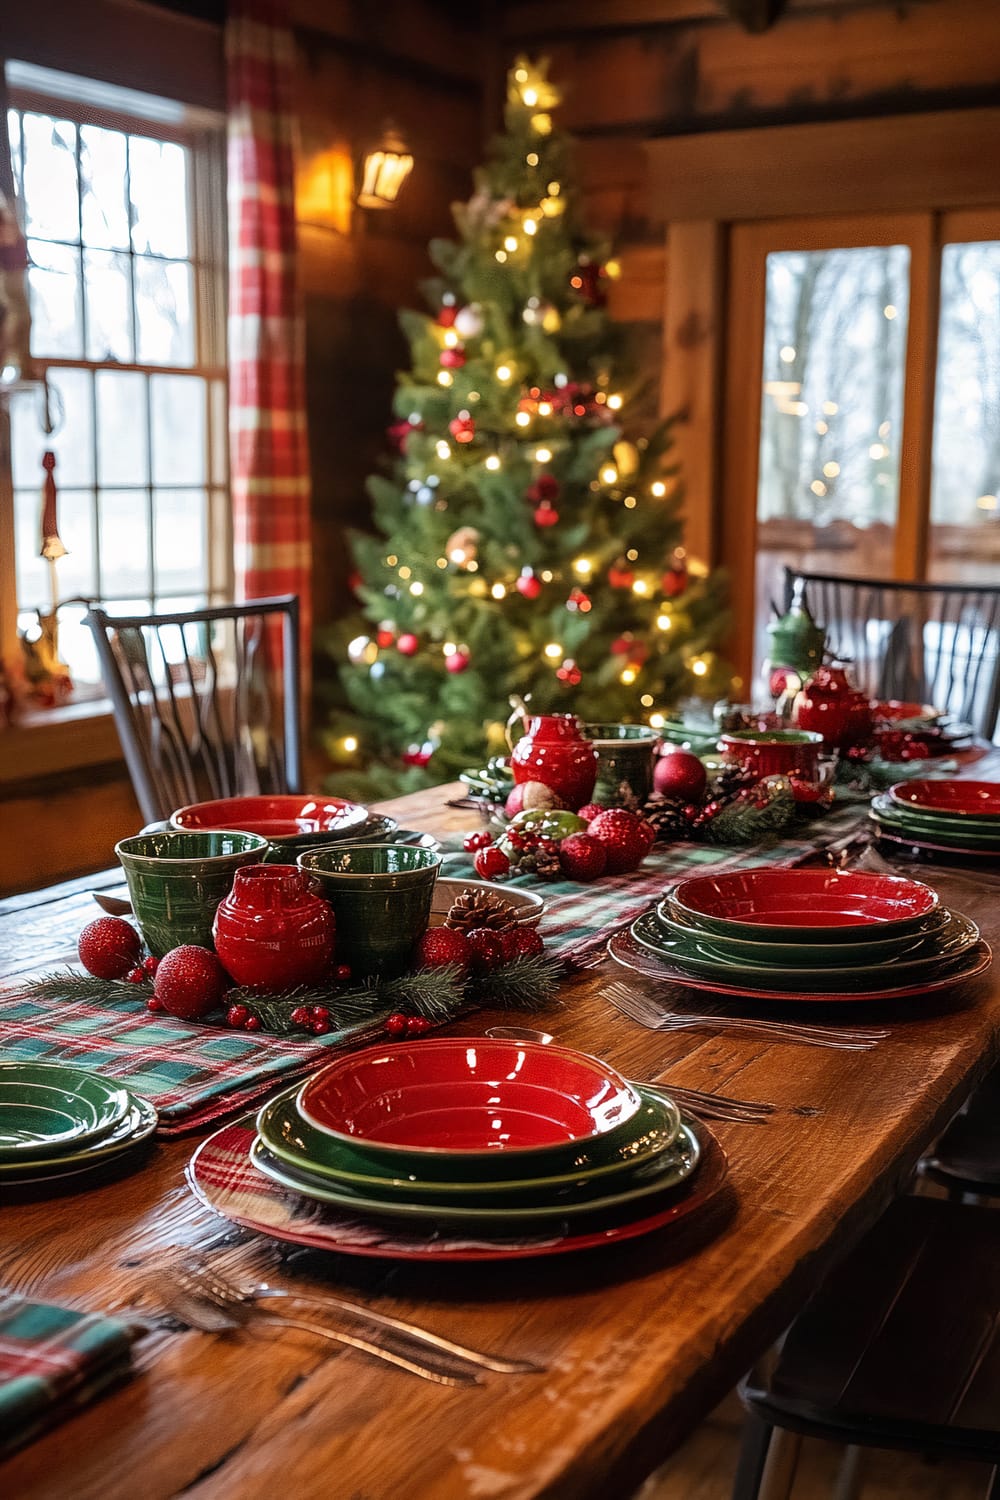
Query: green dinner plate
{"points": [[656, 1177], [138, 1122], [811, 955], [969, 833], [52, 1108], [691, 958], [291, 1139]]}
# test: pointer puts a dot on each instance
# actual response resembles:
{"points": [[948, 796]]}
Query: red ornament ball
{"points": [[190, 982], [520, 942], [589, 811], [447, 314], [625, 836], [485, 950], [462, 428], [680, 776], [452, 359], [582, 857], [620, 576], [546, 515], [674, 582], [384, 638], [528, 585], [109, 947], [457, 661], [407, 645], [441, 946], [545, 487], [491, 864]]}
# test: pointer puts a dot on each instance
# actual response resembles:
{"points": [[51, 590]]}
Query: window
{"points": [[125, 226]]}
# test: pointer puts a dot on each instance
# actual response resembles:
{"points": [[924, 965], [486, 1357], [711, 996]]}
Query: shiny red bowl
{"points": [[796, 905], [462, 1095], [274, 817], [977, 799]]}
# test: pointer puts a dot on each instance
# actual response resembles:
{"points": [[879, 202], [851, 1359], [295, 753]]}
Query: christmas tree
{"points": [[528, 544]]}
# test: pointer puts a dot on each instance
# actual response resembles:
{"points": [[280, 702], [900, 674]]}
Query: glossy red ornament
{"points": [[674, 582], [582, 857], [272, 930], [545, 487], [491, 864], [385, 637], [528, 585], [569, 672], [452, 359], [485, 950], [407, 645], [829, 706], [545, 515], [625, 836], [554, 751], [620, 576], [680, 776], [441, 946], [462, 428], [578, 601], [190, 982], [109, 947]]}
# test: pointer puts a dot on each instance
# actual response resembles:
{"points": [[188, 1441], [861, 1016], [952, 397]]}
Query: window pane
{"points": [[158, 181], [831, 415], [109, 309], [72, 441], [50, 186], [965, 484], [163, 312], [14, 134], [177, 408], [104, 195], [124, 542], [54, 291], [75, 572], [122, 456], [181, 533]]}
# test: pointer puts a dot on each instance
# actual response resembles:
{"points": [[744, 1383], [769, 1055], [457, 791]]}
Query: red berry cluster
{"points": [[474, 841], [400, 1025]]}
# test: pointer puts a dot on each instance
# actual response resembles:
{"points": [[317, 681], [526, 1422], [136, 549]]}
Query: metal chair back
{"points": [[935, 643], [200, 710]]}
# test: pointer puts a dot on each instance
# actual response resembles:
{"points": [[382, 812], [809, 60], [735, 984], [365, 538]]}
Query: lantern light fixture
{"points": [[385, 169]]}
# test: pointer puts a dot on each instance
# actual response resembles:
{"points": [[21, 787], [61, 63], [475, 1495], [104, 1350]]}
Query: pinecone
{"points": [[670, 819], [480, 909], [547, 866]]}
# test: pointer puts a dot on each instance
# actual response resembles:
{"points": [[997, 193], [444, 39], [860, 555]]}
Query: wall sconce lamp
{"points": [[384, 171]]}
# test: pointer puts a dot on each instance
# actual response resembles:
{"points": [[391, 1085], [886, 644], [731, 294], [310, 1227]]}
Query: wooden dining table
{"points": [[637, 1341]]}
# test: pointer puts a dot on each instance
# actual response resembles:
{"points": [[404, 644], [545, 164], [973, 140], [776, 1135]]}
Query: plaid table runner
{"points": [[191, 1072], [53, 1361], [579, 919]]}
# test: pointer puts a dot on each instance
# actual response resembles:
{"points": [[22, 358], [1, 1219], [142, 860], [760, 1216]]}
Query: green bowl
{"points": [[672, 1167], [290, 1138], [381, 897], [177, 881], [808, 955]]}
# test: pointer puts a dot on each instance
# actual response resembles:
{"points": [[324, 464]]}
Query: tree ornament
{"points": [[407, 645], [626, 457], [521, 942], [190, 982], [491, 864], [109, 948], [458, 660], [674, 582], [400, 433], [586, 282], [385, 636], [623, 644], [452, 359], [545, 487], [530, 796], [468, 321], [626, 837], [546, 515], [462, 547], [448, 312], [589, 811], [528, 585], [417, 755], [620, 575], [680, 776], [480, 909], [582, 857], [462, 428], [568, 671], [485, 950], [441, 946]]}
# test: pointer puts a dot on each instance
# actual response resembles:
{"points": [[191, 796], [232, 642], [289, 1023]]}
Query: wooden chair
{"points": [[935, 643], [900, 1349], [966, 1158], [196, 704]]}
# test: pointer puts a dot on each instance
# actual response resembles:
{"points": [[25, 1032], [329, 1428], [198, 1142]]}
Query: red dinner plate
{"points": [[221, 1177], [273, 817], [980, 799], [624, 949], [828, 902], [468, 1095]]}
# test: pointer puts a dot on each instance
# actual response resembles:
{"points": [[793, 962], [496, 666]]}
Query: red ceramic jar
{"points": [[271, 930], [831, 707], [554, 752]]}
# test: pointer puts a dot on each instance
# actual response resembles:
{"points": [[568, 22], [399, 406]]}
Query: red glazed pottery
{"points": [[775, 752], [271, 930], [976, 799], [554, 752], [829, 706], [467, 1094], [274, 817], [807, 904]]}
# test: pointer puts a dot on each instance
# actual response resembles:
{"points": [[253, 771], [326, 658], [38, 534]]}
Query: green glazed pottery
{"points": [[176, 881], [667, 1171], [290, 1138], [48, 1108], [381, 896], [624, 762], [137, 1124], [964, 832], [811, 955]]}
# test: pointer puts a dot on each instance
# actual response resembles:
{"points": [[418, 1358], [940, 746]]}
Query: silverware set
{"points": [[656, 1017]]}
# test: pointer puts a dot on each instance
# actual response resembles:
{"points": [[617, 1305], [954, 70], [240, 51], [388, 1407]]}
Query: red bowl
{"points": [[274, 817], [802, 905], [462, 1095], [978, 799]]}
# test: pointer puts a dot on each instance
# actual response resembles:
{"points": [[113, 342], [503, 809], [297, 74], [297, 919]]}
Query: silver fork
{"points": [[228, 1293], [717, 1106], [656, 1017], [196, 1305]]}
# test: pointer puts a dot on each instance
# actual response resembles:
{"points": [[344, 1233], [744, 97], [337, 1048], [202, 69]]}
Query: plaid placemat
{"points": [[579, 918], [191, 1072], [53, 1361]]}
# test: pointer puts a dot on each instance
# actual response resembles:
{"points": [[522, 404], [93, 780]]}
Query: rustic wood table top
{"points": [[639, 1341]]}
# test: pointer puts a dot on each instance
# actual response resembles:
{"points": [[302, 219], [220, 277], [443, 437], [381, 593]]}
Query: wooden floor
{"points": [[703, 1469]]}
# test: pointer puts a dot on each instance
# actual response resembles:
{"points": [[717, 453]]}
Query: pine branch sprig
{"points": [[84, 989], [522, 985]]}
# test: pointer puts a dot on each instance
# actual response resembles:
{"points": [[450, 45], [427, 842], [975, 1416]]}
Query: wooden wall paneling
{"points": [[915, 468], [965, 225], [692, 349], [525, 19], [414, 37], [615, 81]]}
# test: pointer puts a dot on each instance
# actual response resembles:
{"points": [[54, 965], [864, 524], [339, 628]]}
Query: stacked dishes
{"points": [[940, 818], [509, 1141], [817, 935], [57, 1120], [294, 824]]}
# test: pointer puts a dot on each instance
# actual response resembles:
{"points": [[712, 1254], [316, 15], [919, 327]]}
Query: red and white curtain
{"points": [[267, 408]]}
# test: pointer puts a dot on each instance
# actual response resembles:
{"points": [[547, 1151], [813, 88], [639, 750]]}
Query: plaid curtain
{"points": [[267, 407]]}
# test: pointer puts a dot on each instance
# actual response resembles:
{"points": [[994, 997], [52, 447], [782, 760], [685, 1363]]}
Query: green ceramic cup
{"points": [[624, 762], [381, 896], [176, 881]]}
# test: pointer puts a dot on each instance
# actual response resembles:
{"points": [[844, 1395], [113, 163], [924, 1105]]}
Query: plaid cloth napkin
{"points": [[53, 1361], [579, 919], [191, 1072]]}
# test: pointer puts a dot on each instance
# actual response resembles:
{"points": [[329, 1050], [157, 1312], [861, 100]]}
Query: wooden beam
{"points": [[541, 18], [915, 459]]}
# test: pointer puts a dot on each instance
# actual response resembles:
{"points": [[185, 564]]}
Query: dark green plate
{"points": [[50, 1108], [809, 955], [138, 1122], [967, 832]]}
